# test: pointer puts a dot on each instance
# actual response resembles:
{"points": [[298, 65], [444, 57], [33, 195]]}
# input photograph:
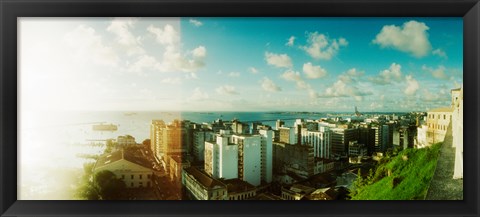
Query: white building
{"points": [[221, 157], [133, 171], [457, 131], [437, 122], [321, 141], [267, 151], [203, 187], [421, 136], [157, 131], [249, 158], [239, 156], [126, 140]]}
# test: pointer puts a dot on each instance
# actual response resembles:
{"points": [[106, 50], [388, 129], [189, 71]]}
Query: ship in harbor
{"points": [[105, 127]]}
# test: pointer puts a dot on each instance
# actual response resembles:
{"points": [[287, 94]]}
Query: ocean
{"points": [[49, 143]]}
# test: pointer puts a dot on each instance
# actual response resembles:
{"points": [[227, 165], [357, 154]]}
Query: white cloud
{"points": [[313, 72], [376, 105], [439, 52], [342, 89], [269, 85], [86, 44], [294, 76], [439, 72], [412, 86], [195, 22], [226, 90], [411, 38], [175, 80], [312, 93], [144, 62], [173, 57], [291, 41], [253, 70], [166, 35], [234, 74], [439, 96], [278, 60], [387, 76], [121, 28], [198, 95], [291, 75], [321, 47], [351, 75], [199, 52]]}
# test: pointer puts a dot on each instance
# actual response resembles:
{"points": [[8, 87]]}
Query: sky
{"points": [[239, 64]]}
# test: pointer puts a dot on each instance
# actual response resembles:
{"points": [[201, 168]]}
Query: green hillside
{"points": [[405, 176]]}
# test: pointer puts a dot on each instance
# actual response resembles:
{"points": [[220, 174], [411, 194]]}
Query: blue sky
{"points": [[240, 64]]}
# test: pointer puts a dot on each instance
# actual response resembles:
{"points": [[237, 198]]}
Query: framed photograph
{"points": [[131, 108]]}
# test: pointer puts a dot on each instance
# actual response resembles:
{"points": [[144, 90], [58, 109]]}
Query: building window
{"points": [[444, 117], [132, 177], [140, 176], [131, 184], [123, 176]]}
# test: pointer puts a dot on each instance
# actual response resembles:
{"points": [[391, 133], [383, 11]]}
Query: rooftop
{"points": [[203, 178], [444, 109], [301, 189], [119, 155], [237, 185], [266, 196]]}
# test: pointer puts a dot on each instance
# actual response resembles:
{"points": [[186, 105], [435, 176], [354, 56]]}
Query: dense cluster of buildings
{"points": [[239, 160], [306, 160]]}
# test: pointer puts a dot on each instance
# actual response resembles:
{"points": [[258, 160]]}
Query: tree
{"points": [[87, 191], [146, 143], [108, 186], [357, 184]]}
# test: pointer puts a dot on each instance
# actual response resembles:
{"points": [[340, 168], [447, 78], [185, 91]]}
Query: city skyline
{"points": [[239, 64]]}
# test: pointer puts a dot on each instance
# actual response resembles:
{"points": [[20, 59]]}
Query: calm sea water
{"points": [[49, 143]]}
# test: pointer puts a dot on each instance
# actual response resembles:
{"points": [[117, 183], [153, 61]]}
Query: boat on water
{"points": [[105, 127]]}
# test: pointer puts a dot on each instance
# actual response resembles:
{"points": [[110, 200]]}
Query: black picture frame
{"points": [[10, 10]]}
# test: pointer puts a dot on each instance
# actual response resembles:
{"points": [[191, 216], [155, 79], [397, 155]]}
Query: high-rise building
{"points": [[377, 138], [267, 151], [240, 127], [235, 156], [387, 136], [366, 135], [157, 130], [249, 158], [287, 135], [170, 139], [403, 135], [221, 157], [320, 140], [279, 124], [199, 138], [356, 149], [340, 139]]}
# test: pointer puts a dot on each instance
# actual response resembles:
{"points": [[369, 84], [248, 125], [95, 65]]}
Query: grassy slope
{"points": [[412, 176]]}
